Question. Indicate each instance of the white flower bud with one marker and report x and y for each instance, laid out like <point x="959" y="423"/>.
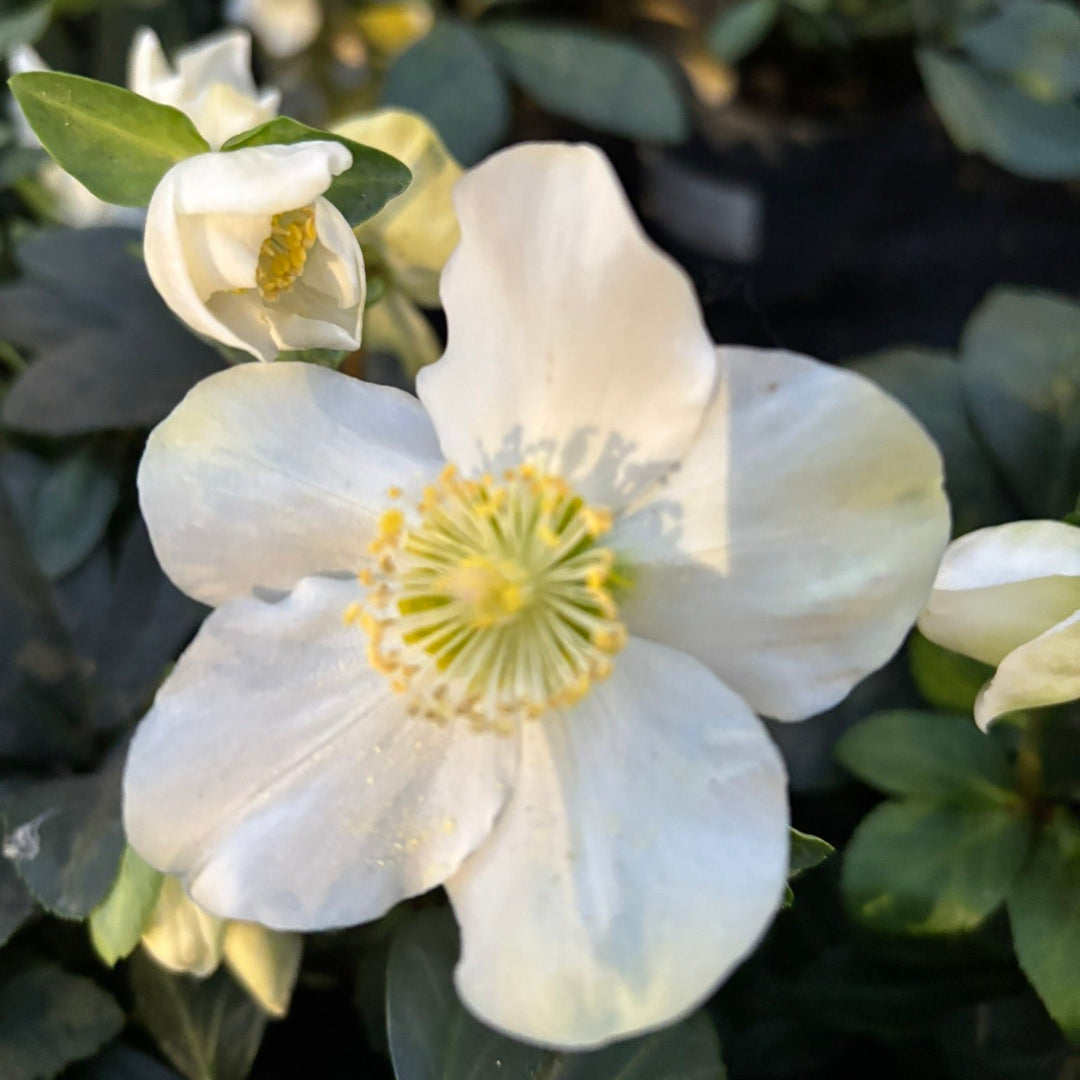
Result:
<point x="243" y="247"/>
<point x="211" y="82"/>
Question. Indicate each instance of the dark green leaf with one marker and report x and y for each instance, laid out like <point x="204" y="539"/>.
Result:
<point x="929" y="756"/>
<point x="449" y="78"/>
<point x="147" y="624"/>
<point x="740" y="28"/>
<point x="1035" y="42"/>
<point x="1009" y="1038"/>
<point x="849" y="993"/>
<point x="120" y="1062"/>
<point x="806" y="852"/>
<point x="946" y="679"/>
<point x="605" y="82"/>
<point x="1021" y="357"/>
<point x="986" y="114"/>
<point x="116" y="143"/>
<point x="16" y="904"/>
<point x="108" y="353"/>
<point x="930" y="383"/>
<point x="40" y="688"/>
<point x="920" y="868"/>
<point x="24" y="26"/>
<point x="373" y="179"/>
<point x="116" y="924"/>
<point x="210" y="1029"/>
<point x="65" y="839"/>
<point x="49" y="1019"/>
<point x="432" y="1037"/>
<point x="1044" y="910"/>
<point x="69" y="510"/>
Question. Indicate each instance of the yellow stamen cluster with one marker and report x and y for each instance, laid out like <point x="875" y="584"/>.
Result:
<point x="284" y="252"/>
<point x="491" y="600"/>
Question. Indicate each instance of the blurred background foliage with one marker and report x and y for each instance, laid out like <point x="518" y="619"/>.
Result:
<point x="889" y="184"/>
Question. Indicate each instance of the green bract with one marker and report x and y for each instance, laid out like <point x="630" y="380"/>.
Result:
<point x="362" y="190"/>
<point x="116" y="143"/>
<point x="1045" y="916"/>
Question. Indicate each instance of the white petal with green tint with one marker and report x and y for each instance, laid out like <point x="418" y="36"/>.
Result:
<point x="267" y="473"/>
<point x="1044" y="671"/>
<point x="641" y="856"/>
<point x="281" y="777"/>
<point x="796" y="543"/>
<point x="573" y="341"/>
<point x="1002" y="586"/>
<point x="180" y="935"/>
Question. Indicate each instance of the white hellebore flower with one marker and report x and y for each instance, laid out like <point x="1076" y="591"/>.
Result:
<point x="211" y="83"/>
<point x="69" y="202"/>
<point x="182" y="937"/>
<point x="244" y="248"/>
<point x="586" y="556"/>
<point x="1009" y="596"/>
<point x="283" y="27"/>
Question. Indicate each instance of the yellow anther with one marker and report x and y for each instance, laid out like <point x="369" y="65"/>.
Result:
<point x="352" y="613"/>
<point x="391" y="524"/>
<point x="490" y="603"/>
<point x="610" y="640"/>
<point x="598" y="520"/>
<point x="284" y="252"/>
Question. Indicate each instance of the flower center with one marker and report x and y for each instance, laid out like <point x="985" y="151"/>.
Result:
<point x="491" y="600"/>
<point x="284" y="252"/>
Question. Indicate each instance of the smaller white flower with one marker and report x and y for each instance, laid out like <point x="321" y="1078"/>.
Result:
<point x="184" y="937"/>
<point x="68" y="201"/>
<point x="211" y="82"/>
<point x="243" y="247"/>
<point x="1009" y="596"/>
<point x="283" y="27"/>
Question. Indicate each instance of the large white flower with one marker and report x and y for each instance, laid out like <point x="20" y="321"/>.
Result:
<point x="211" y="82"/>
<point x="1009" y="596"/>
<point x="244" y="248"/>
<point x="283" y="27"/>
<point x="588" y="554"/>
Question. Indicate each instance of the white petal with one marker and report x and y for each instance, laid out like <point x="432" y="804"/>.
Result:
<point x="256" y="179"/>
<point x="221" y="251"/>
<point x="1002" y="586"/>
<point x="335" y="265"/>
<point x="795" y="545"/>
<point x="573" y="340"/>
<point x="181" y="936"/>
<point x="265" y="962"/>
<point x="224" y="57"/>
<point x="148" y="68"/>
<point x="283" y="779"/>
<point x="222" y="111"/>
<point x="1045" y="671"/>
<point x="169" y="242"/>
<point x="641" y="856"/>
<point x="266" y="473"/>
